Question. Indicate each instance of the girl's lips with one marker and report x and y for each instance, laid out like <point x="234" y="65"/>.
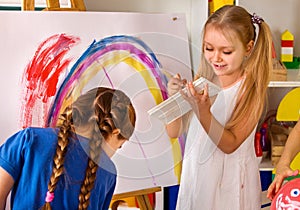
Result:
<point x="218" y="66"/>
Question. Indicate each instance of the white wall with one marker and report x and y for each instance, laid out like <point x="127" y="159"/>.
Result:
<point x="280" y="15"/>
<point x="196" y="12"/>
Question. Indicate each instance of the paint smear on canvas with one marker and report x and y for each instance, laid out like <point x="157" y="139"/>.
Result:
<point x="50" y="86"/>
<point x="41" y="77"/>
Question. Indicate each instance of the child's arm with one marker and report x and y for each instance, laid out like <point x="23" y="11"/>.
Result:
<point x="283" y="170"/>
<point x="227" y="139"/>
<point x="6" y="183"/>
<point x="178" y="126"/>
<point x="175" y="128"/>
<point x="292" y="146"/>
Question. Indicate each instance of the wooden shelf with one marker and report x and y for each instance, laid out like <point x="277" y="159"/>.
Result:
<point x="284" y="84"/>
<point x="293" y="80"/>
<point x="266" y="165"/>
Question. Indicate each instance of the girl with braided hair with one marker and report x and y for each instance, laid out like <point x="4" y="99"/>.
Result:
<point x="220" y="169"/>
<point x="68" y="167"/>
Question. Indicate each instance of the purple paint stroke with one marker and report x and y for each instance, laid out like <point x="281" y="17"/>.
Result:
<point x="181" y="140"/>
<point x="147" y="160"/>
<point x="109" y="79"/>
<point x="137" y="54"/>
<point x="96" y="56"/>
<point x="133" y="51"/>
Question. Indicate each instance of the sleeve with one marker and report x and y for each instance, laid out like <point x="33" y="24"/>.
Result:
<point x="12" y="151"/>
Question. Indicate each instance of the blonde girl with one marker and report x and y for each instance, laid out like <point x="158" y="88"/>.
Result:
<point x="220" y="170"/>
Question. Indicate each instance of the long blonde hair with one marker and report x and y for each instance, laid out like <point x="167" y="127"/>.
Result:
<point x="235" y="21"/>
<point x="108" y="109"/>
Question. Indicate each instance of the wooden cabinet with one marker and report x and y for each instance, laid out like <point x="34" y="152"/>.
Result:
<point x="277" y="90"/>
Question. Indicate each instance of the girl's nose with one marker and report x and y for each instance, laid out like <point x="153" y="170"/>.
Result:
<point x="217" y="56"/>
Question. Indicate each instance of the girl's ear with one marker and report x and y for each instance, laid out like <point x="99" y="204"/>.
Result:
<point x="116" y="131"/>
<point x="249" y="47"/>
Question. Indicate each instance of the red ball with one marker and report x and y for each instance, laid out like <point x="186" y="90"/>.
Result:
<point x="288" y="197"/>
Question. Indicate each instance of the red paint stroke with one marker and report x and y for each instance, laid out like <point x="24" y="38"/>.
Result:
<point x="42" y="74"/>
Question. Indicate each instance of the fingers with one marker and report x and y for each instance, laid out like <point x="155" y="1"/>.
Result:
<point x="191" y="89"/>
<point x="270" y="192"/>
<point x="195" y="91"/>
<point x="273" y="189"/>
<point x="275" y="186"/>
<point x="175" y="84"/>
<point x="295" y="173"/>
<point x="205" y="91"/>
<point x="196" y="94"/>
<point x="278" y="181"/>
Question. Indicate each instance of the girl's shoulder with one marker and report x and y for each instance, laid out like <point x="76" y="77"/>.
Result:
<point x="35" y="135"/>
<point x="30" y="133"/>
<point x="26" y="143"/>
<point x="41" y="130"/>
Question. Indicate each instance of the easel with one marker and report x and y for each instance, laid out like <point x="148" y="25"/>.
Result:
<point x="54" y="5"/>
<point x="141" y="197"/>
<point x="78" y="5"/>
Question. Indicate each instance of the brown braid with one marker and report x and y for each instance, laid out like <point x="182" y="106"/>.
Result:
<point x="61" y="150"/>
<point x="87" y="186"/>
<point x="111" y="109"/>
<point x="90" y="175"/>
<point x="105" y="109"/>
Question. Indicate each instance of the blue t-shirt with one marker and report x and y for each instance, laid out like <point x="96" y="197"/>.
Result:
<point x="28" y="157"/>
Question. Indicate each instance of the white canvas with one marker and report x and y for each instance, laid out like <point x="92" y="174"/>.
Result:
<point x="149" y="159"/>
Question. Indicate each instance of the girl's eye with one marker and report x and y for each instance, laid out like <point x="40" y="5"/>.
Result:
<point x="227" y="53"/>
<point x="295" y="192"/>
<point x="208" y="49"/>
